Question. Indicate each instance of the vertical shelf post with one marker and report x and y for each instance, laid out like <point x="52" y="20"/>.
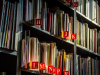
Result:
<point x="75" y="50"/>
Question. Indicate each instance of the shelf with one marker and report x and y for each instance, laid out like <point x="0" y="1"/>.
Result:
<point x="43" y="35"/>
<point x="85" y="19"/>
<point x="31" y="72"/>
<point x="70" y="10"/>
<point x="8" y="51"/>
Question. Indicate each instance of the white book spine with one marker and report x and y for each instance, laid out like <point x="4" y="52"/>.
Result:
<point x="88" y="9"/>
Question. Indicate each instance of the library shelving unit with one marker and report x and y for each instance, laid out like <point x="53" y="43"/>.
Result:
<point x="43" y="35"/>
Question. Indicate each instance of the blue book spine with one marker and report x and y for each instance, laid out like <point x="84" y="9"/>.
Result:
<point x="93" y="67"/>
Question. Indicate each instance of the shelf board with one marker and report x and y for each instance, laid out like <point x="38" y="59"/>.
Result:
<point x="28" y="71"/>
<point x="70" y="10"/>
<point x="43" y="35"/>
<point x="81" y="17"/>
<point x="8" y="51"/>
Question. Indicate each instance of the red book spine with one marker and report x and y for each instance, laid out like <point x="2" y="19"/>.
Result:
<point x="10" y="26"/>
<point x="49" y="21"/>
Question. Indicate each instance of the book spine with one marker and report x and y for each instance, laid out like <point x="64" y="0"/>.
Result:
<point x="5" y="25"/>
<point x="10" y="26"/>
<point x="5" y="42"/>
<point x="25" y="10"/>
<point x="2" y="21"/>
<point x="13" y="27"/>
<point x="17" y="28"/>
<point x="49" y="21"/>
<point x="52" y="23"/>
<point x="22" y="53"/>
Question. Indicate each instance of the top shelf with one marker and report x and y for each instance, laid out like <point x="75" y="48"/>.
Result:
<point x="81" y="17"/>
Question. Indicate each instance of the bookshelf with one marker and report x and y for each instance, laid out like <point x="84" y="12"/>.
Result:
<point x="43" y="35"/>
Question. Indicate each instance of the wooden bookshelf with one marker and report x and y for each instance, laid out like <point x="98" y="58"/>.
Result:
<point x="43" y="35"/>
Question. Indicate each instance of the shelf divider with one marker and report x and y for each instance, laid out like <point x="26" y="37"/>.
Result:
<point x="75" y="47"/>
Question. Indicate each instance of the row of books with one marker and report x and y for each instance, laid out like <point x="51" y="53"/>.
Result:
<point x="90" y="8"/>
<point x="87" y="37"/>
<point x="9" y="26"/>
<point x="45" y="52"/>
<point x="87" y="66"/>
<point x="56" y="21"/>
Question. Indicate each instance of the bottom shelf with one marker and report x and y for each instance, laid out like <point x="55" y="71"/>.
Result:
<point x="31" y="72"/>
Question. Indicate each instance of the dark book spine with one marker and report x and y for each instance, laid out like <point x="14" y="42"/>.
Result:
<point x="25" y="10"/>
<point x="52" y="24"/>
<point x="79" y="65"/>
<point x="49" y="21"/>
<point x="62" y="57"/>
<point x="2" y="21"/>
<point x="46" y="19"/>
<point x="13" y="27"/>
<point x="43" y="18"/>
